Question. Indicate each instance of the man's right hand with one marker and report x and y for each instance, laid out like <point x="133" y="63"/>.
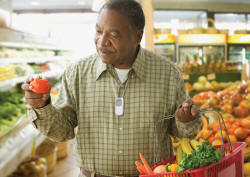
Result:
<point x="33" y="99"/>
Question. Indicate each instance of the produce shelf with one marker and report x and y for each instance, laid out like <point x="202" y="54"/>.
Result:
<point x="31" y="60"/>
<point x="8" y="84"/>
<point x="16" y="146"/>
<point x="16" y="39"/>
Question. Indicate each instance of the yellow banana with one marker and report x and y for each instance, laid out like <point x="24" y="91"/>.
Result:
<point x="194" y="143"/>
<point x="185" y="145"/>
<point x="179" y="154"/>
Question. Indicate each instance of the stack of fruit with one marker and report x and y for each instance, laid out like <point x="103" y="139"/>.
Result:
<point x="203" y="84"/>
<point x="32" y="167"/>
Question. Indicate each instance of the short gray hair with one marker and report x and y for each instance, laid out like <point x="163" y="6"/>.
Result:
<point x="131" y="9"/>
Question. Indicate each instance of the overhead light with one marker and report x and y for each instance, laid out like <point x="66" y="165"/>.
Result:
<point x="97" y="4"/>
<point x="35" y="3"/>
<point x="81" y="2"/>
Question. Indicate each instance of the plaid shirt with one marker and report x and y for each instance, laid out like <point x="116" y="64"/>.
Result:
<point x="109" y="144"/>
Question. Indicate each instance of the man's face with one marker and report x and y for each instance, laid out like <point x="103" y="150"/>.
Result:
<point x="115" y="39"/>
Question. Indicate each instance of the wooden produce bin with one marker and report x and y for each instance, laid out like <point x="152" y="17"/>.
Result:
<point x="48" y="150"/>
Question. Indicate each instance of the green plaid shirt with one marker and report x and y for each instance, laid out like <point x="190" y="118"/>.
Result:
<point x="109" y="144"/>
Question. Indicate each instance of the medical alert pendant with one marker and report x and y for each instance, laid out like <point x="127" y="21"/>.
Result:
<point x="119" y="106"/>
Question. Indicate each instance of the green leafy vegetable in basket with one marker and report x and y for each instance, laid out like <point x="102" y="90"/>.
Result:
<point x="205" y="155"/>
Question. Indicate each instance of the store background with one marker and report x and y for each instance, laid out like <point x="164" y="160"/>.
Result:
<point x="41" y="37"/>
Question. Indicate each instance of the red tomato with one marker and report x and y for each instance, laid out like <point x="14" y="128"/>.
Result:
<point x="40" y="85"/>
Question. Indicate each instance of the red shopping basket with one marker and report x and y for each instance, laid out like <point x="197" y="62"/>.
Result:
<point x="231" y="165"/>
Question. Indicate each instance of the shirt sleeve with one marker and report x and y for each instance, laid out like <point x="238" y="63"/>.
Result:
<point x="181" y="129"/>
<point x="58" y="120"/>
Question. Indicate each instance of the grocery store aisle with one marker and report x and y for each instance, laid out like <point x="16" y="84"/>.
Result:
<point x="66" y="167"/>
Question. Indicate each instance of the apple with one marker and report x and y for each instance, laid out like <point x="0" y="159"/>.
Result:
<point x="241" y="112"/>
<point x="245" y="103"/>
<point x="213" y="101"/>
<point x="242" y="88"/>
<point x="237" y="98"/>
<point x="226" y="101"/>
<point x="247" y="91"/>
<point x="227" y="108"/>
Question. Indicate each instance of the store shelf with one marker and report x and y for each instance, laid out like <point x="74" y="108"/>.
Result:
<point x="32" y="60"/>
<point x="15" y="147"/>
<point x="16" y="39"/>
<point x="8" y="84"/>
<point x="219" y="77"/>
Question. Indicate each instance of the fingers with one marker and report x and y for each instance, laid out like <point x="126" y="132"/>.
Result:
<point x="188" y="111"/>
<point x="33" y="99"/>
<point x="195" y="111"/>
<point x="186" y="106"/>
<point x="26" y="87"/>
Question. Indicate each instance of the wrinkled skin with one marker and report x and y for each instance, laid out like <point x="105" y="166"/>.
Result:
<point x="188" y="111"/>
<point x="116" y="40"/>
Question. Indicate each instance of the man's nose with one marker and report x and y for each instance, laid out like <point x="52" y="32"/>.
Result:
<point x="104" y="41"/>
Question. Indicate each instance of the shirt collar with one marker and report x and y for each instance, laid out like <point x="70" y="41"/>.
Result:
<point x="101" y="67"/>
<point x="138" y="66"/>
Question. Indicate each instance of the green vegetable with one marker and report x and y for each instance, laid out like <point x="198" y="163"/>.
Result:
<point x="205" y="155"/>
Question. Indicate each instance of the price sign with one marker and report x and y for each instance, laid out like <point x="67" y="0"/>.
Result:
<point x="211" y="76"/>
<point x="185" y="76"/>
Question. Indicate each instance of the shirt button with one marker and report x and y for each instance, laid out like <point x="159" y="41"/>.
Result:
<point x="120" y="128"/>
<point x="120" y="152"/>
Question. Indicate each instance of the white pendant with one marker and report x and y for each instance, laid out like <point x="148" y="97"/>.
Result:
<point x="119" y="106"/>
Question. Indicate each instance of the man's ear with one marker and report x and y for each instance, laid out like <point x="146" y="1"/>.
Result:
<point x="139" y="35"/>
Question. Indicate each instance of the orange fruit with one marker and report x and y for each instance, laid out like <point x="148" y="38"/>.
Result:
<point x="232" y="138"/>
<point x="247" y="140"/>
<point x="218" y="135"/>
<point x="241" y="133"/>
<point x="211" y="139"/>
<point x="245" y="123"/>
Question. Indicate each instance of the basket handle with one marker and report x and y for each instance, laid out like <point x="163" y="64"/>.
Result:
<point x="219" y="117"/>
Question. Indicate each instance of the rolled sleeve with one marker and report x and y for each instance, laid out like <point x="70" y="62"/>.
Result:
<point x="42" y="118"/>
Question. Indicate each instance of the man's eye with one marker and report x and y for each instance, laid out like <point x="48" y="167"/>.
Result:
<point x="115" y="35"/>
<point x="98" y="31"/>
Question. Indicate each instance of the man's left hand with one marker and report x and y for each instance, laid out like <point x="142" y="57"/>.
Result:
<point x="187" y="112"/>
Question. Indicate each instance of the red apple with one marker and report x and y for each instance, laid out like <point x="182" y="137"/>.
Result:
<point x="241" y="112"/>
<point x="242" y="88"/>
<point x="237" y="98"/>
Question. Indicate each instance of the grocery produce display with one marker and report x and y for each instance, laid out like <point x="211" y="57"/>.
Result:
<point x="31" y="167"/>
<point x="203" y="84"/>
<point x="12" y="108"/>
<point x="205" y="64"/>
<point x="7" y="52"/>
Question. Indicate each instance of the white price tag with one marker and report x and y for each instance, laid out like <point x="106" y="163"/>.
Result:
<point x="10" y="144"/>
<point x="185" y="76"/>
<point x="22" y="134"/>
<point x="211" y="76"/>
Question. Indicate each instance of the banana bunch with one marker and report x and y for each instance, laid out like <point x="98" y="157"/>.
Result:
<point x="186" y="145"/>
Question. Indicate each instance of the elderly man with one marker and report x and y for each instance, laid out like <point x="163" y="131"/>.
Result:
<point x="115" y="98"/>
